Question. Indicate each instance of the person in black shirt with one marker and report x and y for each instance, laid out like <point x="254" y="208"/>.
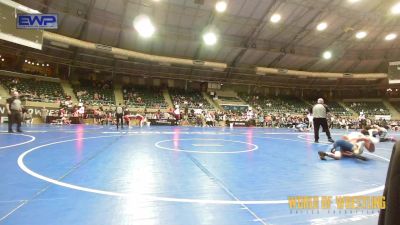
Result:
<point x="14" y="111"/>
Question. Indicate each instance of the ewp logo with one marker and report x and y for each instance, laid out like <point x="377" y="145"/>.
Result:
<point x="37" y="21"/>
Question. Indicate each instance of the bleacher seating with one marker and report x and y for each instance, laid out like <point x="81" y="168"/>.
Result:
<point x="34" y="90"/>
<point x="396" y="105"/>
<point x="369" y="108"/>
<point x="191" y="99"/>
<point x="144" y="97"/>
<point x="95" y="93"/>
<point x="229" y="99"/>
<point x="275" y="104"/>
<point x="235" y="108"/>
<point x="338" y="109"/>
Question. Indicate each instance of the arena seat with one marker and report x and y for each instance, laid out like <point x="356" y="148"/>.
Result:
<point x="229" y="99"/>
<point x="191" y="99"/>
<point x="276" y="104"/>
<point x="95" y="93"/>
<point x="34" y="90"/>
<point x="338" y="109"/>
<point x="369" y="108"/>
<point x="144" y="97"/>
<point x="396" y="105"/>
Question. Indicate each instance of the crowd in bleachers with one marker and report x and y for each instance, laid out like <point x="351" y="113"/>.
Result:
<point x="277" y="120"/>
<point x="144" y="97"/>
<point x="95" y="92"/>
<point x="281" y="104"/>
<point x="189" y="99"/>
<point x="369" y="108"/>
<point x="229" y="99"/>
<point x="338" y="109"/>
<point x="34" y="90"/>
<point x="268" y="111"/>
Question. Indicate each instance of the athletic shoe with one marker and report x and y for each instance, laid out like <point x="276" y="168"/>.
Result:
<point x="10" y="131"/>
<point x="331" y="140"/>
<point x="19" y="131"/>
<point x="322" y="155"/>
<point x="361" y="157"/>
<point x="316" y="141"/>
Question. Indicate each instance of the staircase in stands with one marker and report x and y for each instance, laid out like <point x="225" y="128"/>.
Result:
<point x="68" y="90"/>
<point x="168" y="99"/>
<point x="393" y="112"/>
<point x="3" y="94"/>
<point x="119" y="96"/>
<point x="211" y="102"/>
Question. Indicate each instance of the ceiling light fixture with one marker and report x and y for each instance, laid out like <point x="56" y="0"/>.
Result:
<point x="221" y="6"/>
<point x="144" y="26"/>
<point x="395" y="9"/>
<point x="327" y="55"/>
<point x="390" y="36"/>
<point x="210" y="38"/>
<point x="361" y="34"/>
<point x="322" y="26"/>
<point x="275" y="18"/>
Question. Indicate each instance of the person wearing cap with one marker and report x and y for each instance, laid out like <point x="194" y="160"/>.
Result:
<point x="319" y="112"/>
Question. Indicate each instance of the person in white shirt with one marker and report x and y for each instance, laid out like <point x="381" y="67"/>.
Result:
<point x="28" y="118"/>
<point x="310" y="120"/>
<point x="249" y="115"/>
<point x="319" y="112"/>
<point x="119" y="113"/>
<point x="209" y="120"/>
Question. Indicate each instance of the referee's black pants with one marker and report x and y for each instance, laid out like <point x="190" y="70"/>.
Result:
<point x="14" y="117"/>
<point x="119" y="118"/>
<point x="321" y="122"/>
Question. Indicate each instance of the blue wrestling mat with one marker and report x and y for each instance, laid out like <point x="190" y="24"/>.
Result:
<point x="84" y="175"/>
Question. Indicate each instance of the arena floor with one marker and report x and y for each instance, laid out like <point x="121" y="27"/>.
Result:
<point x="83" y="175"/>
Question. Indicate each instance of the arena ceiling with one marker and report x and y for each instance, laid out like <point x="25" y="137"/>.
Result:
<point x="247" y="38"/>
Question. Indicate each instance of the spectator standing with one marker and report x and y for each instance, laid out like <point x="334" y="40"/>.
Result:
<point x="44" y="113"/>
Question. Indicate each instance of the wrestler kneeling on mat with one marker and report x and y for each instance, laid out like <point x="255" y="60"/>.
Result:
<point x="351" y="145"/>
<point x="301" y="127"/>
<point x="381" y="133"/>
